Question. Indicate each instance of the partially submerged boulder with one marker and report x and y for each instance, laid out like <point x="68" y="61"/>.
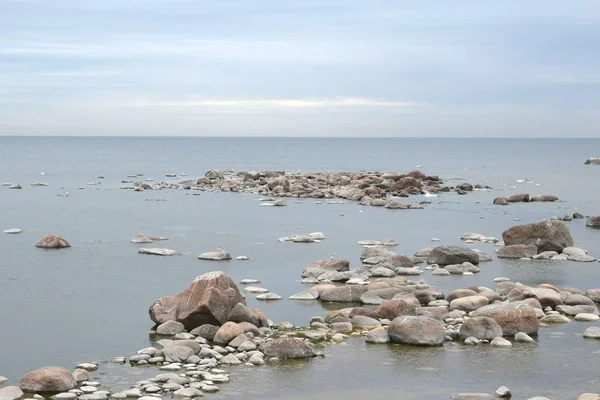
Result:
<point x="209" y="299"/>
<point x="52" y="242"/>
<point x="546" y="235"/>
<point x="512" y="317"/>
<point x="288" y="348"/>
<point x="219" y="255"/>
<point x="517" y="251"/>
<point x="420" y="331"/>
<point x="445" y="255"/>
<point x="320" y="267"/>
<point x="48" y="381"/>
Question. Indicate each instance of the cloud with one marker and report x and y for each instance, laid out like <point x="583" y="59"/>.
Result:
<point x="278" y="103"/>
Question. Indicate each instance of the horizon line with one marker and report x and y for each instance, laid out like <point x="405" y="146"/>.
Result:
<point x="298" y="137"/>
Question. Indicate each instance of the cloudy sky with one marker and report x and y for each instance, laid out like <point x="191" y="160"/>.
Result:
<point x="300" y="68"/>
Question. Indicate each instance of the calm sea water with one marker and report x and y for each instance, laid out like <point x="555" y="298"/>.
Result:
<point x="91" y="302"/>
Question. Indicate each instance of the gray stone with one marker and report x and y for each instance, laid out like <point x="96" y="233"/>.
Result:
<point x="522" y="337"/>
<point x="155" y="251"/>
<point x="500" y="342"/>
<point x="445" y="255"/>
<point x="482" y="328"/>
<point x="10" y="393"/>
<point x="423" y="331"/>
<point x="593" y="332"/>
<point x="471" y="396"/>
<point x="219" y="255"/>
<point x="170" y="328"/>
<point x="377" y="335"/>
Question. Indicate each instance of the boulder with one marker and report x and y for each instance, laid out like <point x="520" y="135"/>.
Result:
<point x="227" y="332"/>
<point x="209" y="299"/>
<point x="546" y="235"/>
<point x="593" y="222"/>
<point x="592" y="161"/>
<point x="364" y="322"/>
<point x="391" y="309"/>
<point x="170" y="328"/>
<point x="500" y="201"/>
<point x="547" y="297"/>
<point x="421" y="331"/>
<point x="469" y="303"/>
<point x="156" y="251"/>
<point x="376" y="251"/>
<point x="377" y="335"/>
<point x="52" y="242"/>
<point x="519" y="198"/>
<point x="445" y="255"/>
<point x="517" y="251"/>
<point x="177" y="353"/>
<point x="48" y="381"/>
<point x="400" y="261"/>
<point x="139" y="238"/>
<point x="378" y="296"/>
<point x="461" y="268"/>
<point x="219" y="255"/>
<point x="512" y="317"/>
<point x="288" y="348"/>
<point x="320" y="267"/>
<point x="344" y="294"/>
<point x="405" y="183"/>
<point x="242" y="313"/>
<point x="483" y="328"/>
<point x="458" y="293"/>
<point x="10" y="393"/>
<point x="592" y="332"/>
<point x="206" y="331"/>
<point x="472" y="396"/>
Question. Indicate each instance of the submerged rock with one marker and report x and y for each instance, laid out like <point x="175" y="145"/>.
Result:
<point x="13" y="231"/>
<point x="593" y="222"/>
<point x="517" y="251"/>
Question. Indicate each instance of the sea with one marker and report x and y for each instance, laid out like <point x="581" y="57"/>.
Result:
<point x="90" y="302"/>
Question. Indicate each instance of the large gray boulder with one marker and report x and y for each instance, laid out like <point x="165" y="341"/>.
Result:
<point x="344" y="294"/>
<point x="219" y="255"/>
<point x="421" y="331"/>
<point x="445" y="255"/>
<point x="48" y="381"/>
<point x="209" y="299"/>
<point x="512" y="317"/>
<point x="376" y="251"/>
<point x="483" y="328"/>
<point x="320" y="267"/>
<point x="546" y="235"/>
<point x="288" y="348"/>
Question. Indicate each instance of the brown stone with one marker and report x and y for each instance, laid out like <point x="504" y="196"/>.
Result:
<point x="228" y="332"/>
<point x="53" y="242"/>
<point x="546" y="235"/>
<point x="209" y="299"/>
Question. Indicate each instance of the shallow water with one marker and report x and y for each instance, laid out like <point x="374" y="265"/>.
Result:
<point x="90" y="302"/>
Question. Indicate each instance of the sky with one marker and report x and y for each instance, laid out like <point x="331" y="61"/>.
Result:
<point x="430" y="68"/>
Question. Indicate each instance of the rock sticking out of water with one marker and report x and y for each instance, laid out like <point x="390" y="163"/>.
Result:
<point x="155" y="251"/>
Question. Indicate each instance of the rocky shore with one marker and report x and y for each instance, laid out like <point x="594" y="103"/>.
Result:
<point x="370" y="189"/>
<point x="207" y="329"/>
